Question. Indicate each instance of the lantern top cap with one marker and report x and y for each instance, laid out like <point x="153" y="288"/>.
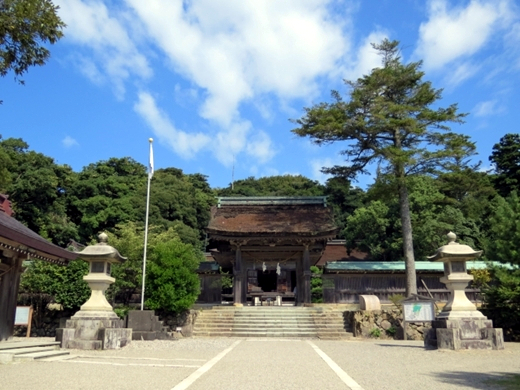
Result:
<point x="454" y="250"/>
<point x="101" y="251"/>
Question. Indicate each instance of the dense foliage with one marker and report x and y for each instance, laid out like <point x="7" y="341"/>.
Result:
<point x="172" y="283"/>
<point x="25" y="27"/>
<point x="64" y="284"/>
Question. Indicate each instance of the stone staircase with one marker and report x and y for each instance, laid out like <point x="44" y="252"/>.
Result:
<point x="271" y="321"/>
<point x="23" y="351"/>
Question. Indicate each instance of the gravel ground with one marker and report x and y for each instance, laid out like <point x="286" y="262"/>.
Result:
<point x="267" y="364"/>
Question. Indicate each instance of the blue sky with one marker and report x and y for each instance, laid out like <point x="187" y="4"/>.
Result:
<point x="216" y="82"/>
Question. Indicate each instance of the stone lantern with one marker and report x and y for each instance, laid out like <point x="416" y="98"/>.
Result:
<point x="456" y="278"/>
<point x="460" y="325"/>
<point x="100" y="258"/>
<point x="96" y="325"/>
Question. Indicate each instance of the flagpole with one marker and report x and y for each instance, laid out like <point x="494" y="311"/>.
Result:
<point x="150" y="174"/>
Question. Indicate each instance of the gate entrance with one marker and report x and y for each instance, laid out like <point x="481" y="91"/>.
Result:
<point x="267" y="280"/>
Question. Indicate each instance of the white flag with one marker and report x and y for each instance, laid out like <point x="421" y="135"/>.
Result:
<point x="150" y="167"/>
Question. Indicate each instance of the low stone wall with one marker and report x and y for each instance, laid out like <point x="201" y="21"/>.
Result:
<point x="383" y="324"/>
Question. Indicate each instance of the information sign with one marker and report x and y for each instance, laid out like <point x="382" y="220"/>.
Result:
<point x="417" y="311"/>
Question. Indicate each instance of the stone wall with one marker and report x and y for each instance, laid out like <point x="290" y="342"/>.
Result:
<point x="383" y="324"/>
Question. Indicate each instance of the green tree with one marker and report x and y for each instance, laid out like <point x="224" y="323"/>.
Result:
<point x="283" y="185"/>
<point x="128" y="239"/>
<point x="182" y="202"/>
<point x="25" y="27"/>
<point x="501" y="295"/>
<point x="376" y="227"/>
<point x="343" y="199"/>
<point x="172" y="283"/>
<point x="388" y="121"/>
<point x="38" y="189"/>
<point x="64" y="284"/>
<point x="506" y="159"/>
<point x="107" y="193"/>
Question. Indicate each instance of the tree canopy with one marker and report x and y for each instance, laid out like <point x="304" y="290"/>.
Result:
<point x="506" y="158"/>
<point x="25" y="27"/>
<point x="389" y="121"/>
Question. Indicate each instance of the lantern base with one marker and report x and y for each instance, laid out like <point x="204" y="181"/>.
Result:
<point x="94" y="330"/>
<point x="464" y="333"/>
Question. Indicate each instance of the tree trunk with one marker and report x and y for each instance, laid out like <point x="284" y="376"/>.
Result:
<point x="406" y="222"/>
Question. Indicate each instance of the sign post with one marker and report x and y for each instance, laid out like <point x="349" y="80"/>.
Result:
<point x="417" y="309"/>
<point x="23" y="317"/>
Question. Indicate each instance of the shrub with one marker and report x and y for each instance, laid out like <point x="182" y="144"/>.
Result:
<point x="172" y="283"/>
<point x="376" y="332"/>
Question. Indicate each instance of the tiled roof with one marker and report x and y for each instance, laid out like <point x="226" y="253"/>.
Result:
<point x="272" y="218"/>
<point x="397" y="266"/>
<point x="18" y="234"/>
<point x="336" y="250"/>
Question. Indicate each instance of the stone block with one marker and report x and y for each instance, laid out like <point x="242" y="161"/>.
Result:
<point x="64" y="335"/>
<point x="495" y="336"/>
<point x="115" y="338"/>
<point x="369" y="303"/>
<point x="85" y="344"/>
<point x="141" y="335"/>
<point x="141" y="320"/>
<point x="448" y="339"/>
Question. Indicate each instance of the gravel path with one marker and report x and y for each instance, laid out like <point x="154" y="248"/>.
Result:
<point x="267" y="364"/>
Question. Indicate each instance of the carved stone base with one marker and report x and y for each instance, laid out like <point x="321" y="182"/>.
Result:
<point x="464" y="333"/>
<point x="94" y="330"/>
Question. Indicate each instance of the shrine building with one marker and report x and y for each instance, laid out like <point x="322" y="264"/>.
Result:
<point x="270" y="243"/>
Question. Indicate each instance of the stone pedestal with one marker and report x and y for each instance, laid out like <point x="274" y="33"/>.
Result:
<point x="94" y="330"/>
<point x="464" y="333"/>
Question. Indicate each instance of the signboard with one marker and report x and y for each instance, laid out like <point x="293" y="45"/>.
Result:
<point x="417" y="311"/>
<point x="23" y="316"/>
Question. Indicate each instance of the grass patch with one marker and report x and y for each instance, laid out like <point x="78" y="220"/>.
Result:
<point x="507" y="381"/>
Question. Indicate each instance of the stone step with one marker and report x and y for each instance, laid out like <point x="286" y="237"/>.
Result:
<point x="269" y="321"/>
<point x="21" y="351"/>
<point x="26" y="344"/>
<point x="39" y="355"/>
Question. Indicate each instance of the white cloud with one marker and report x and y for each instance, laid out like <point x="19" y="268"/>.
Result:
<point x="69" y="142"/>
<point x="460" y="73"/>
<point x="488" y="108"/>
<point x="318" y="164"/>
<point x="260" y="147"/>
<point x="184" y="144"/>
<point x="367" y="58"/>
<point x="236" y="51"/>
<point x="90" y="24"/>
<point x="459" y="32"/>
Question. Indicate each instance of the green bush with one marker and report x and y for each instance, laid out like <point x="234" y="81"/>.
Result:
<point x="502" y="300"/>
<point x="64" y="284"/>
<point x="171" y="280"/>
<point x="316" y="285"/>
<point x="376" y="332"/>
<point x="391" y="331"/>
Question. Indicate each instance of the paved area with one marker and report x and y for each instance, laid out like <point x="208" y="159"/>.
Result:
<point x="210" y="363"/>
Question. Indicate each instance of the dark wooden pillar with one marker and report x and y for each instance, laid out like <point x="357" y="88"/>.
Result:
<point x="238" y="278"/>
<point x="306" y="266"/>
<point x="299" y="283"/>
<point x="9" y="284"/>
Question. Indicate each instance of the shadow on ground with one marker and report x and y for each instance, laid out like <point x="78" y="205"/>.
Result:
<point x="403" y="346"/>
<point x="478" y="380"/>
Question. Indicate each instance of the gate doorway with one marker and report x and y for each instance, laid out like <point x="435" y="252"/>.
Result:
<point x="267" y="280"/>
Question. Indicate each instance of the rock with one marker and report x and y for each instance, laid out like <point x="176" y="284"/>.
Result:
<point x="386" y="325"/>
